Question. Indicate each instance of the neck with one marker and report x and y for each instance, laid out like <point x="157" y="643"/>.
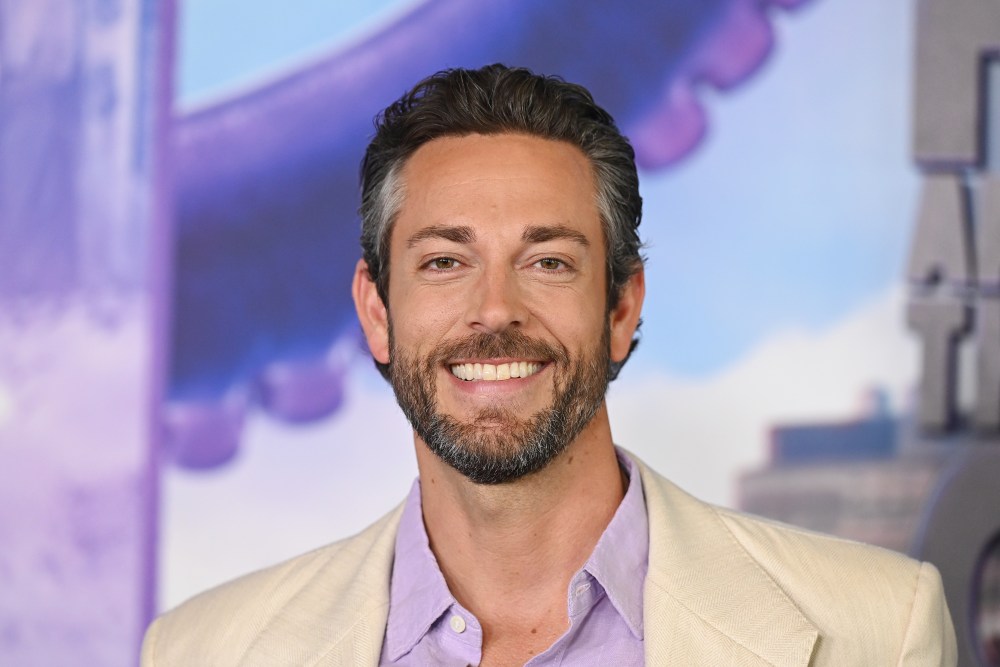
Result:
<point x="508" y="551"/>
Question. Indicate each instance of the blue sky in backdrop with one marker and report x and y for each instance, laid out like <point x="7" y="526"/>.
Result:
<point x="793" y="212"/>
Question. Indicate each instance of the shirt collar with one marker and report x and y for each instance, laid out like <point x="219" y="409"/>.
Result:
<point x="621" y="558"/>
<point x="418" y="593"/>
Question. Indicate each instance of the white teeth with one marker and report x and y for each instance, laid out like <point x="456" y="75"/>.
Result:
<point x="495" y="372"/>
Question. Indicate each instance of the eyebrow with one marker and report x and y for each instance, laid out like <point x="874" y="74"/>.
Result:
<point x="541" y="234"/>
<point x="465" y="234"/>
<point x="455" y="234"/>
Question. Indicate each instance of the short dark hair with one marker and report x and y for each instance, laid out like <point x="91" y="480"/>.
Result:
<point x="497" y="99"/>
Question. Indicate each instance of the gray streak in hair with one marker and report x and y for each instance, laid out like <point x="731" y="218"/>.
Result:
<point x="500" y="100"/>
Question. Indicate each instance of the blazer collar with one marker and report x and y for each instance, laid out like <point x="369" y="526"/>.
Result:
<point x="706" y="600"/>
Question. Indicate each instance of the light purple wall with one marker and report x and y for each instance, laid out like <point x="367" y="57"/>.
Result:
<point x="81" y="93"/>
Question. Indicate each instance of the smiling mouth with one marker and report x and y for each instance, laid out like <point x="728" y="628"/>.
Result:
<point x="495" y="372"/>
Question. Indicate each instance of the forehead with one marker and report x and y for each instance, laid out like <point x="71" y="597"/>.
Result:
<point x="498" y="179"/>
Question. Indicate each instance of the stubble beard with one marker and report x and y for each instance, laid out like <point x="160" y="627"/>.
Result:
<point x="497" y="445"/>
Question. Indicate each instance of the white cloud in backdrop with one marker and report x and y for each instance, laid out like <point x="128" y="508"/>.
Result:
<point x="295" y="488"/>
<point x="702" y="432"/>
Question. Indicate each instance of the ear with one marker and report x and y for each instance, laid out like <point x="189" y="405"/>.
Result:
<point x="371" y="312"/>
<point x="624" y="319"/>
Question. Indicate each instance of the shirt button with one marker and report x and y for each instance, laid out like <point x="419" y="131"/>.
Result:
<point x="457" y="624"/>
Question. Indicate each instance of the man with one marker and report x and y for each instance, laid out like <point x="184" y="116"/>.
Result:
<point x="500" y="292"/>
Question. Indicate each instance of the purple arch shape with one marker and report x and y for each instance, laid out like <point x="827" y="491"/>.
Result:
<point x="266" y="182"/>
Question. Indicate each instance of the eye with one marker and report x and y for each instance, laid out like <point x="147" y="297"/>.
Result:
<point x="551" y="264"/>
<point x="442" y="264"/>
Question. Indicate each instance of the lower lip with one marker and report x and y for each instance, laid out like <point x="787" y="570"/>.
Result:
<point x="494" y="386"/>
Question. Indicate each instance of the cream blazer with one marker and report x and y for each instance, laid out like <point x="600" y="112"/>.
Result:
<point x="723" y="588"/>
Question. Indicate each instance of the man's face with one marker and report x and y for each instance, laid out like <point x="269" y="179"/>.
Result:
<point x="498" y="330"/>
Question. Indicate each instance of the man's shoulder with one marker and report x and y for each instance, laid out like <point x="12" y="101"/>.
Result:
<point x="254" y="593"/>
<point x="795" y="558"/>
<point x="769" y="540"/>
<point x="776" y="545"/>
<point x="846" y="588"/>
<point x="824" y="567"/>
<point x="755" y="566"/>
<point x="221" y="625"/>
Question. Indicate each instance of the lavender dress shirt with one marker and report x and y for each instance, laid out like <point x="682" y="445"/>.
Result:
<point x="427" y="626"/>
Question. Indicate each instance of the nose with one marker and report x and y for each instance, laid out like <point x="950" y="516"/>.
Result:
<point x="496" y="302"/>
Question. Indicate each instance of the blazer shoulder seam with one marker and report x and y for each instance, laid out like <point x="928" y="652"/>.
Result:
<point x="909" y="613"/>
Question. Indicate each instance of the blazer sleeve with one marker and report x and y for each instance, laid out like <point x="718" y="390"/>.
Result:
<point x="930" y="635"/>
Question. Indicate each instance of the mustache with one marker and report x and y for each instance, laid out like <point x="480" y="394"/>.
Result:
<point x="509" y="343"/>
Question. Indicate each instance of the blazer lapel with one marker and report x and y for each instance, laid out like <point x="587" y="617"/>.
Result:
<point x="706" y="600"/>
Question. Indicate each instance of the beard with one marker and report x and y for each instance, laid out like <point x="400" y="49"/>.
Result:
<point x="497" y="445"/>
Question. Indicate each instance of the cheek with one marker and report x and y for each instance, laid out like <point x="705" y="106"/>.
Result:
<point x="419" y="322"/>
<point x="576" y="322"/>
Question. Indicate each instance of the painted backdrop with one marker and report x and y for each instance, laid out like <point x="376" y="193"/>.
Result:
<point x="184" y="395"/>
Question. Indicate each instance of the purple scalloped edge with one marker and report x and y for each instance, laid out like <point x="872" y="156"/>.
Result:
<point x="203" y="435"/>
<point x="206" y="434"/>
<point x="737" y="48"/>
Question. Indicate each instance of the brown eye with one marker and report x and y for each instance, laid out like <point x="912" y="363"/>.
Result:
<point x="443" y="263"/>
<point x="550" y="264"/>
